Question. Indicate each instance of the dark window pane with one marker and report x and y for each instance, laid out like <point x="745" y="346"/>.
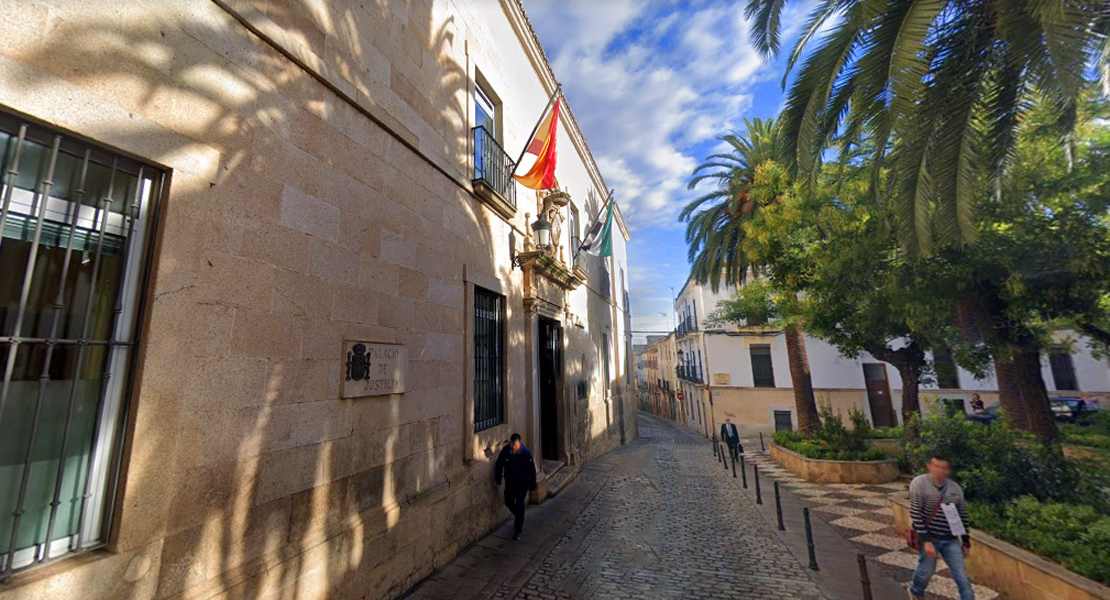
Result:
<point x="874" y="372"/>
<point x="948" y="376"/>
<point x="783" y="421"/>
<point x="1063" y="371"/>
<point x="763" y="371"/>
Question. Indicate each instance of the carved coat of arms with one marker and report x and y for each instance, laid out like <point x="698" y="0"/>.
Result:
<point x="358" y="363"/>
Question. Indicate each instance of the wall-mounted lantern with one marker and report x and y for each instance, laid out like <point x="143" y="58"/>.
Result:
<point x="541" y="230"/>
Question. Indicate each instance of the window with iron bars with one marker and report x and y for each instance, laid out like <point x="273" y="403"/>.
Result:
<point x="489" y="360"/>
<point x="75" y="227"/>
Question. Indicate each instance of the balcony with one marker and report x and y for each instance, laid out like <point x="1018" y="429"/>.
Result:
<point x="581" y="264"/>
<point x="689" y="373"/>
<point x="686" y="326"/>
<point x="493" y="173"/>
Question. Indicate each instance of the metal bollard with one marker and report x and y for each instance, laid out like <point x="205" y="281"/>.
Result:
<point x="864" y="580"/>
<point x="734" y="467"/>
<point x="761" y="448"/>
<point x="778" y="507"/>
<point x="758" y="492"/>
<point x="744" y="472"/>
<point x="809" y="541"/>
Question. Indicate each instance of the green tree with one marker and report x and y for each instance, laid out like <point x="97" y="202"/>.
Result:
<point x="716" y="233"/>
<point x="840" y="275"/>
<point x="936" y="90"/>
<point x="1042" y="262"/>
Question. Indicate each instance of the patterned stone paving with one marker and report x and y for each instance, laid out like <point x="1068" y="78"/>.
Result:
<point x="862" y="514"/>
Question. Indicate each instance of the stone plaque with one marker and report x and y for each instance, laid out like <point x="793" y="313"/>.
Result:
<point x="373" y="369"/>
<point x="722" y="379"/>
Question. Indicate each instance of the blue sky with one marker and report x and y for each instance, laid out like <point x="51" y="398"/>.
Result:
<point x="652" y="83"/>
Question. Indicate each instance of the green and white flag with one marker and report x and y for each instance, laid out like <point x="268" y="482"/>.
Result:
<point x="599" y="240"/>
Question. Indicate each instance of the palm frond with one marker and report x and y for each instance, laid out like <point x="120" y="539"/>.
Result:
<point x="765" y="16"/>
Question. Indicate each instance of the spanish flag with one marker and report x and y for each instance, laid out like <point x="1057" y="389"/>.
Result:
<point x="542" y="174"/>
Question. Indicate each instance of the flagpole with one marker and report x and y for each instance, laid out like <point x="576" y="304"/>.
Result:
<point x="592" y="223"/>
<point x="528" y="141"/>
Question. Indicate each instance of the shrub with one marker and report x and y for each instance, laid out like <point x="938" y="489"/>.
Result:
<point x="833" y="441"/>
<point x="1093" y="440"/>
<point x="1076" y="536"/>
<point x="993" y="467"/>
<point x="886" y="433"/>
<point x="1022" y="491"/>
<point x="1093" y="432"/>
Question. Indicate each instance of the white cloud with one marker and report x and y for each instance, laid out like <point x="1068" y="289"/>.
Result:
<point x="650" y="82"/>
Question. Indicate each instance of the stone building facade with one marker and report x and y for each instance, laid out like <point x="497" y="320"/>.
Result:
<point x="270" y="302"/>
<point x="659" y="377"/>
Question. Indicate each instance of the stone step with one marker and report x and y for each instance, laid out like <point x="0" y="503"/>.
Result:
<point x="559" y="479"/>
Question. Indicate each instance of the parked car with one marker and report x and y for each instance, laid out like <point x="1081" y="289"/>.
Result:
<point x="1069" y="409"/>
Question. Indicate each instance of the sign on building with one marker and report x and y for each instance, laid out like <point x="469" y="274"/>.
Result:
<point x="373" y="369"/>
<point x="722" y="379"/>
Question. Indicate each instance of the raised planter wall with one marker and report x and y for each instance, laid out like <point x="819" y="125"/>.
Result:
<point x="835" y="471"/>
<point x="890" y="446"/>
<point x="1015" y="573"/>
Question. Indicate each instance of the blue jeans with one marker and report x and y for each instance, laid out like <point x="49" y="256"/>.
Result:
<point x="953" y="554"/>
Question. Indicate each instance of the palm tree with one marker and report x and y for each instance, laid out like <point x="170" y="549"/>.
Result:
<point x="936" y="90"/>
<point x="715" y="236"/>
<point x="714" y="229"/>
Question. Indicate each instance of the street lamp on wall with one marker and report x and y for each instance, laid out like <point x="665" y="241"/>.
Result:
<point x="541" y="230"/>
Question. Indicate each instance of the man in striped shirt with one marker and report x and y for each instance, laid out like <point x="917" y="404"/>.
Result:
<point x="940" y="521"/>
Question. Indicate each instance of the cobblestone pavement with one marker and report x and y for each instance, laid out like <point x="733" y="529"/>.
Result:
<point x="649" y="520"/>
<point x="862" y="514"/>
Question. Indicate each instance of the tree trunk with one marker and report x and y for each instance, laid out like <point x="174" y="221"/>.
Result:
<point x="909" y="360"/>
<point x="1009" y="395"/>
<point x="911" y="387"/>
<point x="1034" y="394"/>
<point x="804" y="403"/>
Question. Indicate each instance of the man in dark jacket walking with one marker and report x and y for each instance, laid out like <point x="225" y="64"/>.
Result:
<point x="515" y="464"/>
<point x="731" y="436"/>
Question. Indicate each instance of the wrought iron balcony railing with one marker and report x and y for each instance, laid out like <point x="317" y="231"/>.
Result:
<point x="493" y="167"/>
<point x="686" y="326"/>
<point x="580" y="258"/>
<point x="689" y="373"/>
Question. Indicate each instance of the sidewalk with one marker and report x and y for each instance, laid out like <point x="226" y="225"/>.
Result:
<point x="838" y="567"/>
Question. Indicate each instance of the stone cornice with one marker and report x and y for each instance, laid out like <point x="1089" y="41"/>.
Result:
<point x="540" y="262"/>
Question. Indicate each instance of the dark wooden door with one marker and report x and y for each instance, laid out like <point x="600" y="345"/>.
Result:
<point x="878" y="395"/>
<point x="551" y="373"/>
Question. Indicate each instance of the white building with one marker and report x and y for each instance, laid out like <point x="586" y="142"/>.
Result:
<point x="742" y="372"/>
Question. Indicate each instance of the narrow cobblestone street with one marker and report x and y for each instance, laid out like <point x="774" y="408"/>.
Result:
<point x="649" y="520"/>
